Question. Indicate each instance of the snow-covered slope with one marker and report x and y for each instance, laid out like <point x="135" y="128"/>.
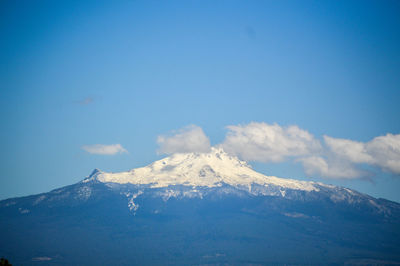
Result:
<point x="199" y="169"/>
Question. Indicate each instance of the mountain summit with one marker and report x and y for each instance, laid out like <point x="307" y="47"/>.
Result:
<point x="198" y="169"/>
<point x="199" y="208"/>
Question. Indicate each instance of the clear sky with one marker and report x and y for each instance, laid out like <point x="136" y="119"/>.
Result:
<point x="78" y="73"/>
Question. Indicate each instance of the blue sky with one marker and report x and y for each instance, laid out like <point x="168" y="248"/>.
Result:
<point x="75" y="73"/>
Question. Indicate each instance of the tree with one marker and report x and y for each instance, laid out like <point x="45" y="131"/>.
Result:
<point x="4" y="262"/>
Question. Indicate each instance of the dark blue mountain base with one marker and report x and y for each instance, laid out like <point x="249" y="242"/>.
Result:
<point x="71" y="226"/>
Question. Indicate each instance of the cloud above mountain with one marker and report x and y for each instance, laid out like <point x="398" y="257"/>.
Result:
<point x="331" y="167"/>
<point x="187" y="139"/>
<point x="343" y="158"/>
<point x="102" y="149"/>
<point x="382" y="151"/>
<point x="269" y="143"/>
<point x="330" y="157"/>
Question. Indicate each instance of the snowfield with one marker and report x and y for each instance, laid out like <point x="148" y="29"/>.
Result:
<point x="199" y="169"/>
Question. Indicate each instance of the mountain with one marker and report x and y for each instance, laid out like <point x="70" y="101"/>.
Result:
<point x="199" y="209"/>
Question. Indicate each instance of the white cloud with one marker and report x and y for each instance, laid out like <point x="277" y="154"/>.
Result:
<point x="386" y="152"/>
<point x="350" y="150"/>
<point x="382" y="151"/>
<point x="104" y="149"/>
<point x="187" y="139"/>
<point x="269" y="143"/>
<point x="342" y="157"/>
<point x="333" y="158"/>
<point x="331" y="168"/>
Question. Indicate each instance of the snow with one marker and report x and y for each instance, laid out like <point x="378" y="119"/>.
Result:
<point x="199" y="170"/>
<point x="170" y="193"/>
<point x="41" y="259"/>
<point x="84" y="192"/>
<point x="39" y="199"/>
<point x="23" y="211"/>
<point x="131" y="204"/>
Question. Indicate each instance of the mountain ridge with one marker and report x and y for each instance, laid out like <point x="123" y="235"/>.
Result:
<point x="199" y="215"/>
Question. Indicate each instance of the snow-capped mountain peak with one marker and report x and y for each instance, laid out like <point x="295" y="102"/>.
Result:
<point x="198" y="169"/>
